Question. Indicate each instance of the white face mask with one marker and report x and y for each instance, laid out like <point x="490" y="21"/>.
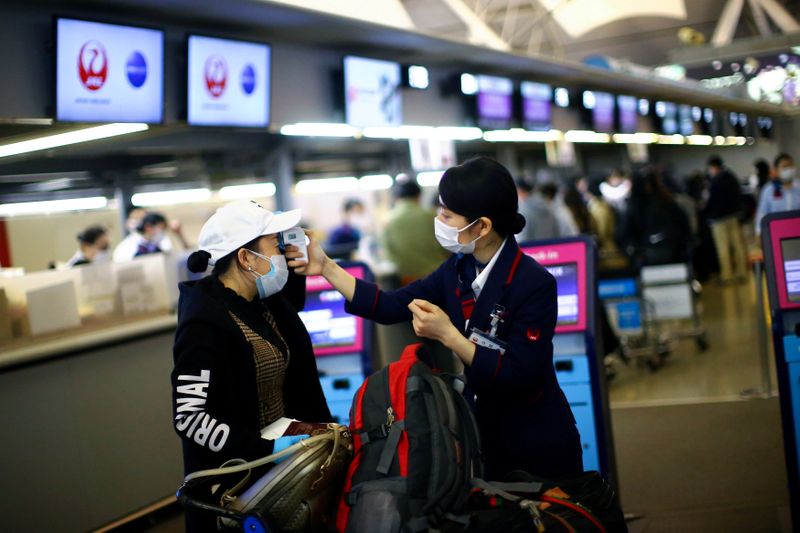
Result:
<point x="102" y="256"/>
<point x="273" y="281"/>
<point x="787" y="174"/>
<point x="448" y="237"/>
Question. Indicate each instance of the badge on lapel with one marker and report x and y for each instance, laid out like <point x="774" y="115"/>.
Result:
<point x="534" y="334"/>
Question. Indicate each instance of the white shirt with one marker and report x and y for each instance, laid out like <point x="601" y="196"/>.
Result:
<point x="127" y="248"/>
<point x="483" y="276"/>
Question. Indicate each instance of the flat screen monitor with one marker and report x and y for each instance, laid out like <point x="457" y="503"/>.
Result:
<point x="495" y="106"/>
<point x="603" y="112"/>
<point x="667" y="112"/>
<point x="567" y="289"/>
<point x="332" y="330"/>
<point x="566" y="261"/>
<point x="627" y="113"/>
<point x="228" y="83"/>
<point x="536" y="105"/>
<point x="108" y="72"/>
<point x="790" y="249"/>
<point x="765" y="126"/>
<point x="685" y="120"/>
<point x="372" y="92"/>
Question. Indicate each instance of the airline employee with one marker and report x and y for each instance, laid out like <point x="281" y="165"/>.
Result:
<point x="495" y="308"/>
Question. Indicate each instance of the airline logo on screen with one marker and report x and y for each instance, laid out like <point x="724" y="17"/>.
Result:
<point x="216" y="73"/>
<point x="248" y="79"/>
<point x="93" y="65"/>
<point x="136" y="68"/>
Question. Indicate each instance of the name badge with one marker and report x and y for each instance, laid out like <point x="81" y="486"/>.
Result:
<point x="487" y="341"/>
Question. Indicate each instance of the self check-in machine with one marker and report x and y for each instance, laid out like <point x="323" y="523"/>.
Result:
<point x="780" y="235"/>
<point x="580" y="372"/>
<point x="342" y="342"/>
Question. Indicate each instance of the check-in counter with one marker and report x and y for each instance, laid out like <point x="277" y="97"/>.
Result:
<point x="85" y="395"/>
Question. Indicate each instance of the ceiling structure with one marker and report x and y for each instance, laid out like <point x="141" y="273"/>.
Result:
<point x="545" y="38"/>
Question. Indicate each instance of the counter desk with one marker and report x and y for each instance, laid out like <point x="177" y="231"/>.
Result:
<point x="86" y="424"/>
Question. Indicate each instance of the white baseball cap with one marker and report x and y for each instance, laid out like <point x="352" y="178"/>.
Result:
<point x="237" y="223"/>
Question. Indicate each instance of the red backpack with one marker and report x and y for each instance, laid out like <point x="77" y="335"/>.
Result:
<point x="416" y="449"/>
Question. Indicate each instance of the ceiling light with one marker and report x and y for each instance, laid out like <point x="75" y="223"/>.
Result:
<point x="518" y="135"/>
<point x="325" y="185"/>
<point x="701" y="140"/>
<point x="375" y="182"/>
<point x="248" y="190"/>
<point x="53" y="206"/>
<point x="429" y="179"/>
<point x="635" y="138"/>
<point x="719" y="140"/>
<point x="71" y="137"/>
<point x="319" y="129"/>
<point x="671" y="139"/>
<point x="584" y="136"/>
<point x="418" y="77"/>
<point x="181" y="196"/>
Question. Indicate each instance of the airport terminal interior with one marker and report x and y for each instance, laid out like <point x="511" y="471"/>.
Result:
<point x="652" y="149"/>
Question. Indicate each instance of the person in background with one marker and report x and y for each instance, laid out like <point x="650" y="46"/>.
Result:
<point x="344" y="239"/>
<point x="580" y="214"/>
<point x="565" y="223"/>
<point x="723" y="210"/>
<point x="145" y="240"/>
<point x="605" y="224"/>
<point x="760" y="177"/>
<point x="408" y="239"/>
<point x="93" y="247"/>
<point x="134" y="219"/>
<point x="542" y="224"/>
<point x="656" y="227"/>
<point x="616" y="190"/>
<point x="782" y="193"/>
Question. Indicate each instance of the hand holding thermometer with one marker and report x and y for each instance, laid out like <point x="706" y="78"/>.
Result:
<point x="295" y="237"/>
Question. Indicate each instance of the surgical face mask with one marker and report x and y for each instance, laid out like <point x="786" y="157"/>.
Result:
<point x="787" y="174"/>
<point x="448" y="237"/>
<point x="157" y="237"/>
<point x="102" y="256"/>
<point x="273" y="281"/>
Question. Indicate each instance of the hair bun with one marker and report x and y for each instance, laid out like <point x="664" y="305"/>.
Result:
<point x="518" y="224"/>
<point x="198" y="261"/>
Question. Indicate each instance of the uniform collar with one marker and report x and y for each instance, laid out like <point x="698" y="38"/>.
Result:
<point x="500" y="275"/>
<point x="483" y="276"/>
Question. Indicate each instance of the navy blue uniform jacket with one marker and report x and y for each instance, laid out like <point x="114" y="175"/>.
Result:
<point x="523" y="416"/>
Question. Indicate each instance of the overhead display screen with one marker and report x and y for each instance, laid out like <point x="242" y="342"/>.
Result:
<point x="685" y="120"/>
<point x="228" y="82"/>
<point x="627" y="112"/>
<point x="372" y="92"/>
<point x="601" y="107"/>
<point x="536" y="105"/>
<point x="495" y="102"/>
<point x="332" y="329"/>
<point x="668" y="113"/>
<point x="108" y="72"/>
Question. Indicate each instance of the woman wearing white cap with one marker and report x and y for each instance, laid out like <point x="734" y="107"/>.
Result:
<point x="243" y="358"/>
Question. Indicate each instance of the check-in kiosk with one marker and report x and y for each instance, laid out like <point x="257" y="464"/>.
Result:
<point x="780" y="234"/>
<point x="578" y="368"/>
<point x="342" y="342"/>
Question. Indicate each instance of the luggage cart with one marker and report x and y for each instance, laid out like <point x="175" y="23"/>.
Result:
<point x="632" y="317"/>
<point x="675" y="297"/>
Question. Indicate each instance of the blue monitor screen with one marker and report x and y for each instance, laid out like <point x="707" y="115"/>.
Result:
<point x="567" y="290"/>
<point x="791" y="267"/>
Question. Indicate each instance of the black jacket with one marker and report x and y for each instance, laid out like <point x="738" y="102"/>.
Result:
<point x="215" y="398"/>
<point x="724" y="196"/>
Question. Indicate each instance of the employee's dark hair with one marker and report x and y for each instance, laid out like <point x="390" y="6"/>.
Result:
<point x="715" y="161"/>
<point x="351" y="204"/>
<point x="782" y="156"/>
<point x="523" y="185"/>
<point x="151" y="219"/>
<point x="482" y="187"/>
<point x="593" y="185"/>
<point x="406" y="189"/>
<point x="198" y="261"/>
<point x="91" y="234"/>
<point x="549" y="190"/>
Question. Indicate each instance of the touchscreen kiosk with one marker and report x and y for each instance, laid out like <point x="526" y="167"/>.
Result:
<point x="342" y="342"/>
<point x="579" y="372"/>
<point x="780" y="234"/>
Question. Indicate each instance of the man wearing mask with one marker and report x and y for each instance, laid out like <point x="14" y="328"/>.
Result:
<point x="723" y="209"/>
<point x="782" y="193"/>
<point x="92" y="247"/>
<point x="145" y="240"/>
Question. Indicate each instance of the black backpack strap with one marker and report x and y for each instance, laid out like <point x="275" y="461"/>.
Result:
<point x="396" y="485"/>
<point x="389" y="449"/>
